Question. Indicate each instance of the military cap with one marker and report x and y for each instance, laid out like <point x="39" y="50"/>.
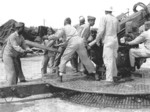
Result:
<point x="19" y="24"/>
<point x="91" y="18"/>
<point x="81" y="18"/>
<point x="109" y="9"/>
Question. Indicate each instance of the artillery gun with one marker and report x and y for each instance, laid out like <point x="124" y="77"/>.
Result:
<point x="129" y="25"/>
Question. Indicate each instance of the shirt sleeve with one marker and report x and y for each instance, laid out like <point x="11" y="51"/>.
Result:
<point x="139" y="39"/>
<point x="50" y="43"/>
<point x="118" y="27"/>
<point x="57" y="35"/>
<point x="101" y="29"/>
<point x="24" y="46"/>
<point x="85" y="33"/>
<point x="15" y="45"/>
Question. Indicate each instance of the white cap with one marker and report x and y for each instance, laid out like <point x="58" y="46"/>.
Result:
<point x="109" y="9"/>
<point x="81" y="18"/>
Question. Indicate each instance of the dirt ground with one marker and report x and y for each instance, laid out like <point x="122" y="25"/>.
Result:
<point x="31" y="68"/>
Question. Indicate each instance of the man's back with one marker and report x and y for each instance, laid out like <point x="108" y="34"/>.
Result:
<point x="109" y="26"/>
<point x="69" y="31"/>
<point x="84" y="31"/>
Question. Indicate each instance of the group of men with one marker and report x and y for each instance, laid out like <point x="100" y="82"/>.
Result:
<point x="75" y="44"/>
<point x="75" y="41"/>
<point x="76" y="38"/>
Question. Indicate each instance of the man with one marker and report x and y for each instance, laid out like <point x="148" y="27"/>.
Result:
<point x="141" y="51"/>
<point x="108" y="29"/>
<point x="48" y="55"/>
<point x="14" y="47"/>
<point x="74" y="60"/>
<point x="84" y="32"/>
<point x="74" y="43"/>
<point x="81" y="22"/>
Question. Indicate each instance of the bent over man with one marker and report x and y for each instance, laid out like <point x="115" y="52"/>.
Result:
<point x="14" y="47"/>
<point x="74" y="44"/>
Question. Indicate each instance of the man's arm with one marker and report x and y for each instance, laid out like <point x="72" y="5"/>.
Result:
<point x="57" y="35"/>
<point x="138" y="39"/>
<point x="25" y="46"/>
<point x="101" y="30"/>
<point x="50" y="43"/>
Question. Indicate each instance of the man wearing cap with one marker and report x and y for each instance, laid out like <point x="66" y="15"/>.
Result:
<point x="74" y="60"/>
<point x="143" y="51"/>
<point x="74" y="44"/>
<point x="84" y="32"/>
<point x="81" y="22"/>
<point x="14" y="47"/>
<point x="49" y="56"/>
<point x="108" y="29"/>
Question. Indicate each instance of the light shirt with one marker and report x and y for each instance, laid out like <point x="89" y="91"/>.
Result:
<point x="15" y="45"/>
<point x="84" y="31"/>
<point x="69" y="31"/>
<point x="108" y="28"/>
<point x="66" y="33"/>
<point x="143" y="37"/>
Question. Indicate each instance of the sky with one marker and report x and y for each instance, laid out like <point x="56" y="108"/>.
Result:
<point x="53" y="12"/>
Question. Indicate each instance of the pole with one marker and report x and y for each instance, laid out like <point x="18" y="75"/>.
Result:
<point x="44" y="22"/>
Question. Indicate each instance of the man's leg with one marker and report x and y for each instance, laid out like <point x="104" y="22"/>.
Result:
<point x="20" y="72"/>
<point x="82" y="52"/>
<point x="109" y="58"/>
<point x="137" y="52"/>
<point x="44" y="64"/>
<point x="74" y="62"/>
<point x="51" y="64"/>
<point x="9" y="69"/>
<point x="111" y="68"/>
<point x="57" y="58"/>
<point x="66" y="57"/>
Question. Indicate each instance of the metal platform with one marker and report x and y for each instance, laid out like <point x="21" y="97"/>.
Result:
<point x="80" y="83"/>
<point x="77" y="82"/>
<point x="76" y="88"/>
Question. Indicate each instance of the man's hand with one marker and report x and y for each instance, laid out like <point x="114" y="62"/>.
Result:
<point x="88" y="47"/>
<point x="28" y="50"/>
<point x="127" y="43"/>
<point x="98" y="43"/>
<point x="45" y="37"/>
<point x="61" y="44"/>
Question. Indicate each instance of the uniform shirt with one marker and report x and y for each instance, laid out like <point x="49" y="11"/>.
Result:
<point x="84" y="31"/>
<point x="15" y="45"/>
<point x="49" y="43"/>
<point x="143" y="37"/>
<point x="68" y="32"/>
<point x="108" y="28"/>
<point x="77" y="27"/>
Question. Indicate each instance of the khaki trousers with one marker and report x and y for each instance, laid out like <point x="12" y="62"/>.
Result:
<point x="138" y="52"/>
<point x="13" y="69"/>
<point x="109" y="58"/>
<point x="76" y="44"/>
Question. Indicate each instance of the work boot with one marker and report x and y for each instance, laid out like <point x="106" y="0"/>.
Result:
<point x="60" y="75"/>
<point x="97" y="77"/>
<point x="94" y="76"/>
<point x="132" y="69"/>
<point x="23" y="80"/>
